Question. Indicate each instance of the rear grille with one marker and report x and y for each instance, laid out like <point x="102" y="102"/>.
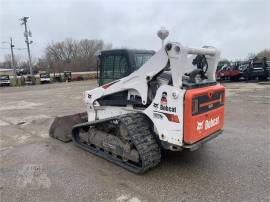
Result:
<point x="207" y="102"/>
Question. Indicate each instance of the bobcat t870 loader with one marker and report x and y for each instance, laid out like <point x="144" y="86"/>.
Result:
<point x="148" y="102"/>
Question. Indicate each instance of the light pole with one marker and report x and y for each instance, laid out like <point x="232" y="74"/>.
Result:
<point x="27" y="34"/>
<point x="162" y="34"/>
<point x="12" y="56"/>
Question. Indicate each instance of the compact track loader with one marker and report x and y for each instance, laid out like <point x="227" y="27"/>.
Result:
<point x="148" y="102"/>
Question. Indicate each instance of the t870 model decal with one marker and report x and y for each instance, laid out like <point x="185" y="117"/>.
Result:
<point x="157" y="115"/>
<point x="170" y="117"/>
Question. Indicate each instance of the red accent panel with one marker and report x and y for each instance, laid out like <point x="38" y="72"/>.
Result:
<point x="197" y="127"/>
<point x="172" y="117"/>
<point x="108" y="84"/>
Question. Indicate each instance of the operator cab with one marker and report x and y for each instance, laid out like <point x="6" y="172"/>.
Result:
<point x="118" y="63"/>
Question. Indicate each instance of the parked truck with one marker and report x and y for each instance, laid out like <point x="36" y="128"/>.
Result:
<point x="257" y="69"/>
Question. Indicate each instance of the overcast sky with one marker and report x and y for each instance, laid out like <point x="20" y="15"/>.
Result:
<point x="236" y="27"/>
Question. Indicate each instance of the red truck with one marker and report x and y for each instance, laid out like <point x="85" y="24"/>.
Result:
<point x="232" y="73"/>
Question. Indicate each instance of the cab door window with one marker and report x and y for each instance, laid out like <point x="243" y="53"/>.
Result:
<point x="120" y="66"/>
<point x="114" y="67"/>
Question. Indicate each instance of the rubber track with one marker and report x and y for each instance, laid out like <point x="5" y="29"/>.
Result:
<point x="143" y="140"/>
<point x="141" y="136"/>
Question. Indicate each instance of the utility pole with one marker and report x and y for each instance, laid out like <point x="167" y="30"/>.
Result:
<point x="27" y="34"/>
<point x="12" y="59"/>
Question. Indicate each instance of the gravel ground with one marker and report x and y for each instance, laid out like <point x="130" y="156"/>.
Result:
<point x="34" y="167"/>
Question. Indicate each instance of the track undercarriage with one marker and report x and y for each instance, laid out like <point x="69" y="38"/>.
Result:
<point x="125" y="140"/>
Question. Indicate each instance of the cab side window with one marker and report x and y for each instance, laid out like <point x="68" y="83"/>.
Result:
<point x="140" y="59"/>
<point x="120" y="66"/>
<point x="107" y="67"/>
<point x="113" y="67"/>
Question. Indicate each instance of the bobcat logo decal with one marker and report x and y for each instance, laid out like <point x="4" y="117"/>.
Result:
<point x="200" y="125"/>
<point x="207" y="124"/>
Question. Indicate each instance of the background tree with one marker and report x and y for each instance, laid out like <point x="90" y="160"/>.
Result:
<point x="264" y="53"/>
<point x="7" y="63"/>
<point x="71" y="55"/>
<point x="251" y="56"/>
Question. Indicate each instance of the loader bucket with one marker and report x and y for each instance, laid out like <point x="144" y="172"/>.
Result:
<point x="62" y="126"/>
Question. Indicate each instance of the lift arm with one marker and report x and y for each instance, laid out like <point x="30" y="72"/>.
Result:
<point x="173" y="53"/>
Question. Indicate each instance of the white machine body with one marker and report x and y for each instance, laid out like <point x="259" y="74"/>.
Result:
<point x="166" y="109"/>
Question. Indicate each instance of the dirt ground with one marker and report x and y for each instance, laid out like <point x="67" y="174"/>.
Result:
<point x="34" y="167"/>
